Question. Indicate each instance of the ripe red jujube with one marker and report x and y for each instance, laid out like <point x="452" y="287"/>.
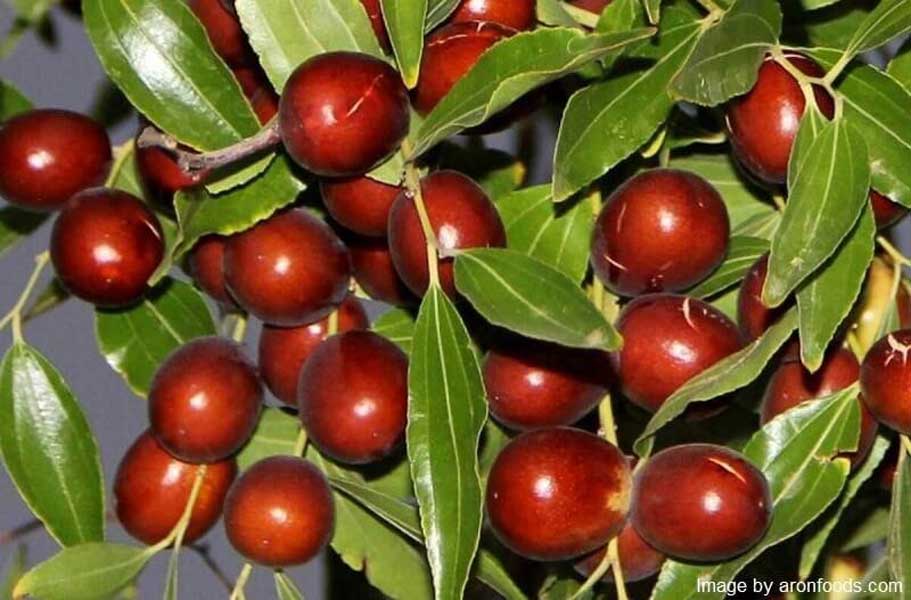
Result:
<point x="207" y="267"/>
<point x="515" y="14"/>
<point x="375" y="12"/>
<point x="753" y="316"/>
<point x="638" y="560"/>
<point x="886" y="212"/>
<point x="360" y="204"/>
<point x="223" y="28"/>
<point x="885" y="381"/>
<point x="371" y="261"/>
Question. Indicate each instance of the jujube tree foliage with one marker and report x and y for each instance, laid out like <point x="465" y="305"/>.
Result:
<point x="678" y="365"/>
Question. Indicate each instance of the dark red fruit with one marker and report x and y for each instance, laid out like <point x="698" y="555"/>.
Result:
<point x="265" y="104"/>
<point x="535" y="384"/>
<point x="280" y="512"/>
<point x="663" y="230"/>
<point x="555" y="494"/>
<point x="886" y="212"/>
<point x="341" y="113"/>
<point x="516" y="14"/>
<point x="638" y="560"/>
<point x="207" y="267"/>
<point x="763" y="123"/>
<point x="449" y="54"/>
<point x="162" y="175"/>
<point x="792" y="384"/>
<point x="375" y="12"/>
<point x="47" y="156"/>
<point x="283" y="350"/>
<point x="151" y="490"/>
<point x="258" y="91"/>
<point x="668" y="340"/>
<point x="701" y="502"/>
<point x="595" y="6"/>
<point x="359" y="203"/>
<point x="204" y="401"/>
<point x="753" y="316"/>
<point x="885" y="381"/>
<point x="375" y="272"/>
<point x="462" y="216"/>
<point x="224" y="30"/>
<point x="288" y="270"/>
<point x="105" y="245"/>
<point x="353" y="396"/>
<point x="251" y="79"/>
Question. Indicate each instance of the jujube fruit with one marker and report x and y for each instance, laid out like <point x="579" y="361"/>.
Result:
<point x="375" y="272"/>
<point x="353" y="396"/>
<point x="638" y="560"/>
<point x="47" y="156"/>
<point x="662" y="230"/>
<point x="341" y="113"/>
<point x="360" y="204"/>
<point x="375" y="13"/>
<point x="105" y="246"/>
<point x="288" y="270"/>
<point x="595" y="6"/>
<point x="280" y="512"/>
<point x="753" y="316"/>
<point x="556" y="494"/>
<point x="223" y="28"/>
<point x="204" y="401"/>
<point x="207" y="267"/>
<point x="885" y="211"/>
<point x="516" y="14"/>
<point x="701" y="502"/>
<point x="152" y="488"/>
<point x="668" y="340"/>
<point x="885" y="381"/>
<point x="162" y="175"/>
<point x="283" y="350"/>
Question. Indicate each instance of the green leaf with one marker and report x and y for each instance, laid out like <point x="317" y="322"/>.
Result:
<point x="16" y="225"/>
<point x="510" y="69"/>
<point x="606" y="122"/>
<point x="827" y="197"/>
<point x="447" y="409"/>
<point x="557" y="235"/>
<point x="32" y="11"/>
<point x="396" y="325"/>
<point x="890" y="19"/>
<point x="158" y="54"/>
<point x="200" y="213"/>
<point x="527" y="296"/>
<point x="498" y="172"/>
<point x="873" y="529"/>
<point x="285" y="33"/>
<point x="652" y="10"/>
<point x="795" y="452"/>
<point x="85" y="572"/>
<point x="438" y="11"/>
<point x="136" y="340"/>
<point x="48" y="447"/>
<point x="14" y="572"/>
<point x="285" y="588"/>
<point x="830" y="27"/>
<point x="275" y="434"/>
<point x="726" y="60"/>
<point x="725" y="376"/>
<point x="825" y="300"/>
<point x="898" y="545"/>
<point x="743" y="252"/>
<point x="817" y="4"/>
<point x="12" y="101"/>
<point x="552" y="12"/>
<point x="811" y="550"/>
<point x="405" y="24"/>
<point x="900" y="66"/>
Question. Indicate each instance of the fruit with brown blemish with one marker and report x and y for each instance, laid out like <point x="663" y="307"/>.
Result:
<point x="885" y="381"/>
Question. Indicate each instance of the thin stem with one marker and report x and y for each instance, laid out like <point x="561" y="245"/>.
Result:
<point x="20" y="531"/>
<point x="176" y="535"/>
<point x="608" y="428"/>
<point x="802" y="79"/>
<point x="664" y="156"/>
<point x="610" y="560"/>
<point x="893" y="252"/>
<point x="413" y="183"/>
<point x="14" y="316"/>
<point x="203" y="553"/>
<point x="241" y="582"/>
<point x="613" y="553"/>
<point x="193" y="162"/>
<point x="843" y="61"/>
<point x="713" y="9"/>
<point x="240" y="329"/>
<point x="778" y="199"/>
<point x="332" y="325"/>
<point x="301" y="444"/>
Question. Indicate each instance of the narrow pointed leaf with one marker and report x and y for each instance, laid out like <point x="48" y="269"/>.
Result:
<point x="405" y="24"/>
<point x="606" y="122"/>
<point x="890" y="19"/>
<point x="285" y="588"/>
<point x="446" y="413"/>
<point x="510" y="69"/>
<point x="136" y="340"/>
<point x="898" y="546"/>
<point x="275" y="435"/>
<point x="527" y="296"/>
<point x="438" y="11"/>
<point x="900" y="66"/>
<point x="725" y="62"/>
<point x="551" y="12"/>
<point x="49" y="449"/>
<point x="652" y="10"/>
<point x="743" y="252"/>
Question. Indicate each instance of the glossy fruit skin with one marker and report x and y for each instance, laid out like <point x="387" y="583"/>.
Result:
<point x="374" y="271"/>
<point x="885" y="381"/>
<point x="595" y="6"/>
<point x="162" y="175"/>
<point x="462" y="216"/>
<point x="207" y="267"/>
<point x="515" y="14"/>
<point x="792" y="384"/>
<point x="360" y="204"/>
<point x="701" y="502"/>
<point x="265" y="104"/>
<point x="288" y="270"/>
<point x="662" y="230"/>
<point x="886" y="212"/>
<point x="753" y="316"/>
<point x="532" y="384"/>
<point x="341" y="113"/>
<point x="47" y="156"/>
<point x="224" y="31"/>
<point x="204" y="401"/>
<point x="449" y="53"/>
<point x="556" y="494"/>
<point x="151" y="490"/>
<point x="375" y="12"/>
<point x="668" y="340"/>
<point x="763" y="123"/>
<point x="353" y="396"/>
<point x="638" y="560"/>
<point x="105" y="246"/>
<point x="280" y="512"/>
<point x="283" y="350"/>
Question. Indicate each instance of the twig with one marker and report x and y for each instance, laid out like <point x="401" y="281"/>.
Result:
<point x="20" y="531"/>
<point x="14" y="316"/>
<point x="202" y="551"/>
<point x="413" y="184"/>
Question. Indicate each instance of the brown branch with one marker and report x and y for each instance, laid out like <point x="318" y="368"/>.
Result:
<point x="202" y="550"/>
